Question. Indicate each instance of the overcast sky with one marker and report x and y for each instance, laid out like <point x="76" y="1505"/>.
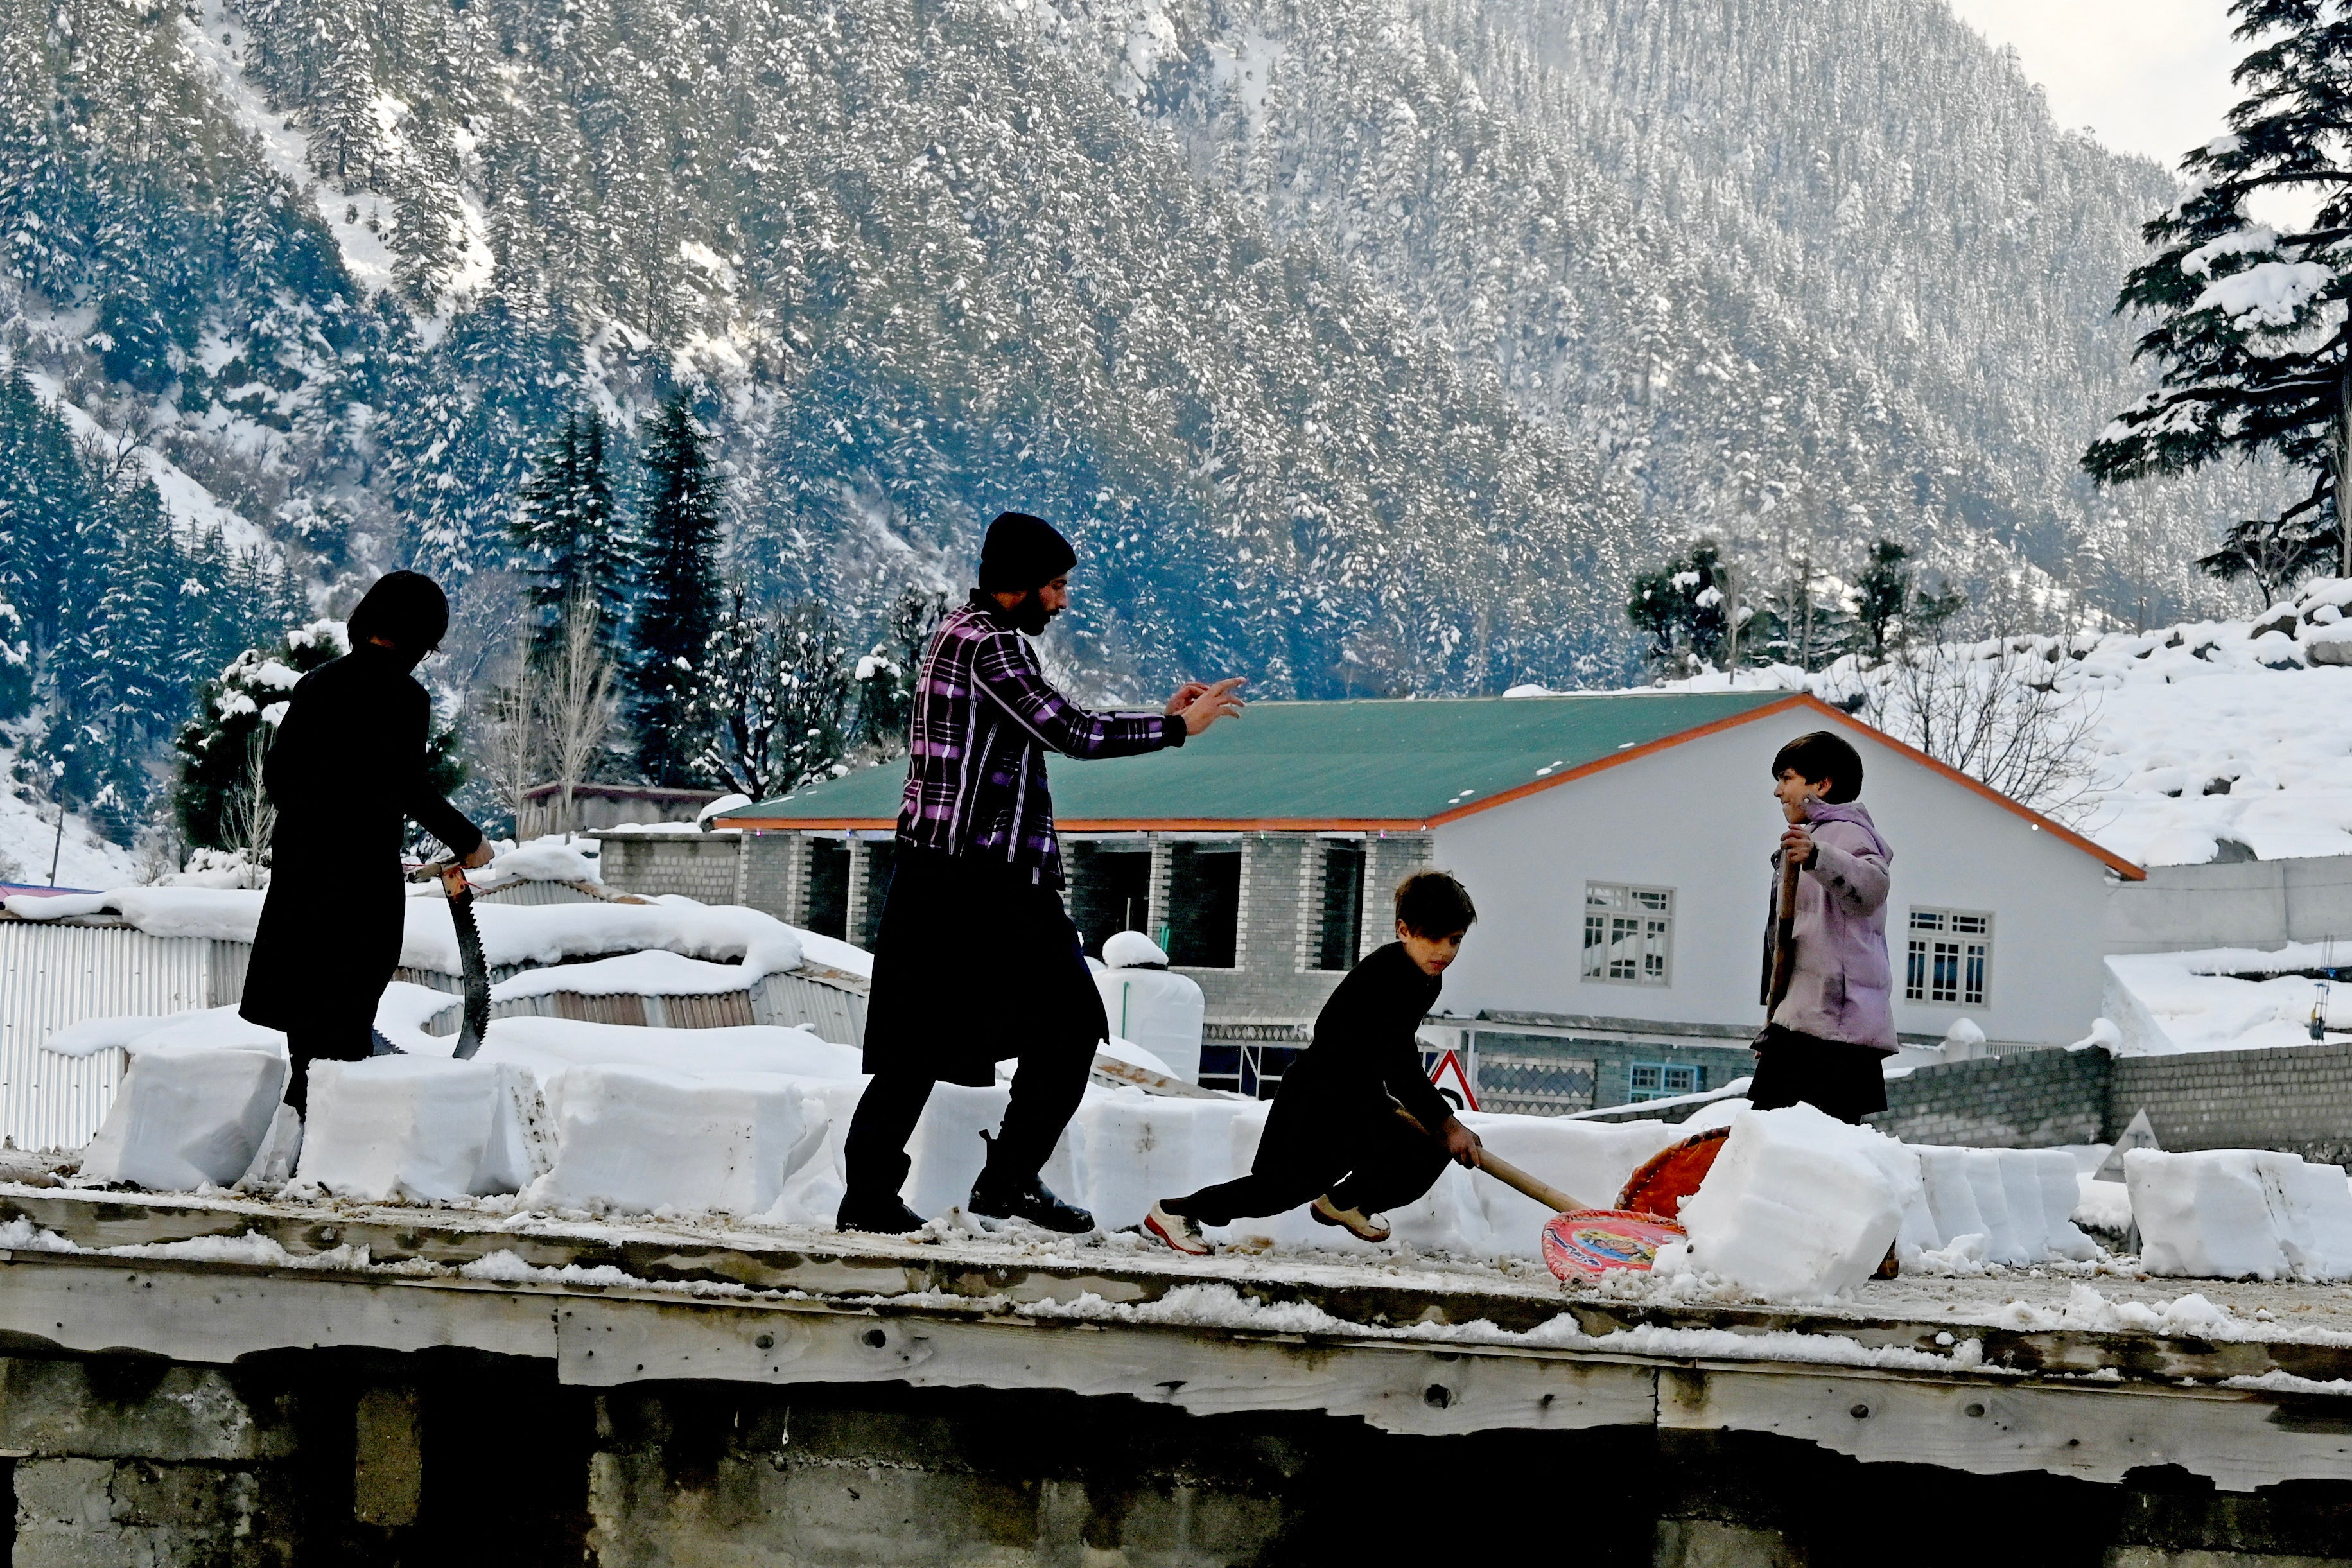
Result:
<point x="2148" y="76"/>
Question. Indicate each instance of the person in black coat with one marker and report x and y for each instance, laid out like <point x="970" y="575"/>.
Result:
<point x="347" y="768"/>
<point x="1333" y="1140"/>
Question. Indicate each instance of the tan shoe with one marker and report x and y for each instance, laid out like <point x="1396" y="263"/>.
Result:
<point x="1355" y="1222"/>
<point x="1180" y="1232"/>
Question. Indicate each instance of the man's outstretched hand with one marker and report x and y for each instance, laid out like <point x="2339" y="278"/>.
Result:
<point x="1201" y="704"/>
<point x="1462" y="1145"/>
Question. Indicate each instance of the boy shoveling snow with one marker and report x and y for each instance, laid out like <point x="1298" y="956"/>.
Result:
<point x="1333" y="1140"/>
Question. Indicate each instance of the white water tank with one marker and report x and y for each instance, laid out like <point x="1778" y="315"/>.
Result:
<point x="1148" y="1005"/>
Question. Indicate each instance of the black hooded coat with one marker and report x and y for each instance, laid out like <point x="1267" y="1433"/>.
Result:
<point x="347" y="768"/>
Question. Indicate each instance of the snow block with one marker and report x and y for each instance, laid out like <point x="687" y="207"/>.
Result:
<point x="2203" y="1215"/>
<point x="186" y="1116"/>
<point x="1799" y="1206"/>
<point x="1130" y="1150"/>
<point x="1157" y="1011"/>
<point x="407" y="1128"/>
<point x="2054" y="1173"/>
<point x="2310" y="1208"/>
<point x="640" y="1138"/>
<point x="2029" y="1225"/>
<point x="1951" y="1197"/>
<point x="1983" y="1168"/>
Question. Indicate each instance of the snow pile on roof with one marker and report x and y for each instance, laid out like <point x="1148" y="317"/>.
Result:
<point x="651" y="974"/>
<point x="2240" y="1212"/>
<point x="215" y="914"/>
<point x="2198" y="732"/>
<point x="204" y="1029"/>
<point x="1132" y="950"/>
<point x="551" y="933"/>
<point x="2225" y="999"/>
<point x="543" y="860"/>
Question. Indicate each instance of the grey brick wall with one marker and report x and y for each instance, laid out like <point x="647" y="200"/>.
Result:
<point x="2298" y="1098"/>
<point x="1269" y="985"/>
<point x="774" y="876"/>
<point x="705" y="866"/>
<point x="2030" y="1099"/>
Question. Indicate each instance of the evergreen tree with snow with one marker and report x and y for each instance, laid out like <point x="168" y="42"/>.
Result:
<point x="1892" y="606"/>
<point x="568" y="537"/>
<point x="1683" y="609"/>
<point x="679" y="606"/>
<point x="2251" y="335"/>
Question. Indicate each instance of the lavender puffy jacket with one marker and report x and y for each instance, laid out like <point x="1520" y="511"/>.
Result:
<point x="1844" y="987"/>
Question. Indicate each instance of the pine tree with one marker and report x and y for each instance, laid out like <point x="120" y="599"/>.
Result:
<point x="1892" y="606"/>
<point x="885" y="676"/>
<point x="1683" y="609"/>
<point x="2251" y="335"/>
<point x="568" y="536"/>
<point x="680" y="607"/>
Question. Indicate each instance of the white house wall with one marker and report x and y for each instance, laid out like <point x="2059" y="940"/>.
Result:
<point x="1700" y="819"/>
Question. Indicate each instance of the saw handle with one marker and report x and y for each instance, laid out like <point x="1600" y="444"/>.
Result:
<point x="449" y="872"/>
<point x="1502" y="1171"/>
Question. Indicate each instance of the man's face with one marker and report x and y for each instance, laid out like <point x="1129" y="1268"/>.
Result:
<point x="1430" y="954"/>
<point x="1040" y="606"/>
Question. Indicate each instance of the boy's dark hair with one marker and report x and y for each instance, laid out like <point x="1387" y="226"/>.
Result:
<point x="406" y="609"/>
<point x="1431" y="903"/>
<point x="1822" y="754"/>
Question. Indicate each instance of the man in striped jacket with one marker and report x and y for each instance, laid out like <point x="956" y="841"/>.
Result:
<point x="975" y="960"/>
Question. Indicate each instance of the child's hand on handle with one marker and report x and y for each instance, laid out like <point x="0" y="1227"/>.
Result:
<point x="1201" y="705"/>
<point x="1462" y="1145"/>
<point x="1796" y="844"/>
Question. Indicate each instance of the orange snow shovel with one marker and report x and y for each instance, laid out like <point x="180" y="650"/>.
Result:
<point x="1581" y="1243"/>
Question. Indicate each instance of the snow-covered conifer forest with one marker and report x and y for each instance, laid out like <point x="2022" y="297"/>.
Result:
<point x="1364" y="346"/>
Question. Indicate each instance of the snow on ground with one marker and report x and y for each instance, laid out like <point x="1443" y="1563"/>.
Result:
<point x="190" y="504"/>
<point x="28" y="833"/>
<point x="2215" y="730"/>
<point x="2225" y="999"/>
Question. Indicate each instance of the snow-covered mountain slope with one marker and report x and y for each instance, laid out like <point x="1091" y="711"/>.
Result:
<point x="1364" y="344"/>
<point x="2197" y="740"/>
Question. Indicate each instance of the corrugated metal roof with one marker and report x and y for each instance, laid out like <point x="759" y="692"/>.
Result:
<point x="1328" y="763"/>
<point x="52" y="974"/>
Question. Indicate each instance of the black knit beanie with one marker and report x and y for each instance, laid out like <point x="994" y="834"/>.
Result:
<point x="406" y="609"/>
<point x="1022" y="552"/>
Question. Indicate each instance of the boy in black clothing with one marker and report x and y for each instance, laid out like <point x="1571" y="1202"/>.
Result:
<point x="1333" y="1136"/>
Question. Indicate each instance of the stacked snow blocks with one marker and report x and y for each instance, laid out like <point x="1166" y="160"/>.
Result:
<point x="2234" y="1214"/>
<point x="2027" y="1099"/>
<point x="705" y="867"/>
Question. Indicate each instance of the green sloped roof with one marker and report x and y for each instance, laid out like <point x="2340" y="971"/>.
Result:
<point x="1299" y="764"/>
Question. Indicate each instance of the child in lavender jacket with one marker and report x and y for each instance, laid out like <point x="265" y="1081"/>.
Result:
<point x="1827" y="1041"/>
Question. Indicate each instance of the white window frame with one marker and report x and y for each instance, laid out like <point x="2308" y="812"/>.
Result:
<point x="1933" y="938"/>
<point x="1617" y="913"/>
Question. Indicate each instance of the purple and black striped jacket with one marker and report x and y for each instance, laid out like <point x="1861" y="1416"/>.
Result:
<point x="976" y="764"/>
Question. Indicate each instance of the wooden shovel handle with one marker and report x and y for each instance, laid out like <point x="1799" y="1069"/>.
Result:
<point x="1784" y="938"/>
<point x="1502" y="1171"/>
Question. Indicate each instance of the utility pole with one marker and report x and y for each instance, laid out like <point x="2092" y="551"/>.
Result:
<point x="2344" y="470"/>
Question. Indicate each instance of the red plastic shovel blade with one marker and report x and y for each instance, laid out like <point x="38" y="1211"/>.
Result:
<point x="1583" y="1243"/>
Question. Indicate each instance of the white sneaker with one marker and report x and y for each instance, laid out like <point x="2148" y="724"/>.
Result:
<point x="1355" y="1222"/>
<point x="1181" y="1232"/>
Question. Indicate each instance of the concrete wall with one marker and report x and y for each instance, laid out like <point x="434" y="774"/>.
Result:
<point x="704" y="866"/>
<point x="324" y="1459"/>
<point x="1699" y="818"/>
<point x="2252" y="903"/>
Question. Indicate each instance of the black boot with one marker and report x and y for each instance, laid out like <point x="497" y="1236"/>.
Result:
<point x="886" y="1214"/>
<point x="997" y="1195"/>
